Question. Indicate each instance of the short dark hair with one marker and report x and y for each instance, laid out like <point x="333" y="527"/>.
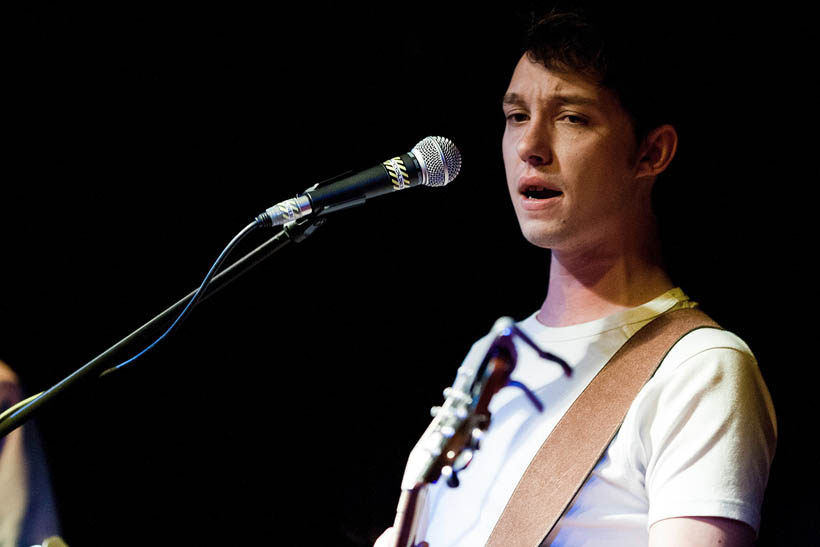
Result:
<point x="625" y="50"/>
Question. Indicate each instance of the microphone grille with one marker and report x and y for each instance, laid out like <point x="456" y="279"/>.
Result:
<point x="440" y="160"/>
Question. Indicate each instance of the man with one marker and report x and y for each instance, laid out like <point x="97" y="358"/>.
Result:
<point x="27" y="510"/>
<point x="583" y="146"/>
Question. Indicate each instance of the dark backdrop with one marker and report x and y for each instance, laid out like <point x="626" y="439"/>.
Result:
<point x="141" y="137"/>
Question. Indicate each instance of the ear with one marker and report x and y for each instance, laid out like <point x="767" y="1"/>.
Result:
<point x="657" y="151"/>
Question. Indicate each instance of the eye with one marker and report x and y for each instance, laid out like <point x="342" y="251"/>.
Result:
<point x="517" y="117"/>
<point x="573" y="119"/>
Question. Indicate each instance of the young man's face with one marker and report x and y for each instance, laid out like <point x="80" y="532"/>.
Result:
<point x="570" y="156"/>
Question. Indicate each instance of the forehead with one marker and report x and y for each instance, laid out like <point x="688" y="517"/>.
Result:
<point x="532" y="82"/>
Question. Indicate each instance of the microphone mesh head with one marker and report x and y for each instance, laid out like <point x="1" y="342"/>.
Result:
<point x="440" y="159"/>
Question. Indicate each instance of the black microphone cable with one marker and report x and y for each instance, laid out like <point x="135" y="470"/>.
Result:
<point x="436" y="161"/>
<point x="193" y="300"/>
<point x="197" y="296"/>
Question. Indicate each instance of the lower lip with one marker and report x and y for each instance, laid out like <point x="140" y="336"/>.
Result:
<point x="538" y="204"/>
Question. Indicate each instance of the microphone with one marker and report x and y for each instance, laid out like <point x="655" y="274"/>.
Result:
<point x="434" y="161"/>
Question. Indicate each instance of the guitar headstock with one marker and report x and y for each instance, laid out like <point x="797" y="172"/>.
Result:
<point x="455" y="433"/>
<point x="458" y="425"/>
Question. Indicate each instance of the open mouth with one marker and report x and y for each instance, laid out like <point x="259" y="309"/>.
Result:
<point x="539" y="192"/>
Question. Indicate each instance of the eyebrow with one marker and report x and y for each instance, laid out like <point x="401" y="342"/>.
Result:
<point x="515" y="99"/>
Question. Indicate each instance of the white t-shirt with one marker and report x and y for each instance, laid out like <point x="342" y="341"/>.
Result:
<point x="697" y="441"/>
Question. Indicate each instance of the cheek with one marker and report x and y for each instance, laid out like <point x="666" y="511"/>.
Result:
<point x="606" y="168"/>
<point x="510" y="157"/>
<point x="507" y="147"/>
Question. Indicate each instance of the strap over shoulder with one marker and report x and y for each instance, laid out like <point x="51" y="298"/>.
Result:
<point x="579" y="439"/>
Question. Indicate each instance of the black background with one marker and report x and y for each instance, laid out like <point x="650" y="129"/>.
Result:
<point x="141" y="137"/>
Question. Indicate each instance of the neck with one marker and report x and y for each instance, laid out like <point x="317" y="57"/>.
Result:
<point x="594" y="283"/>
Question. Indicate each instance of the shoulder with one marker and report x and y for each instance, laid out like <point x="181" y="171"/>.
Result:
<point x="706" y="404"/>
<point x="716" y="363"/>
<point x="705" y="342"/>
<point x="709" y="366"/>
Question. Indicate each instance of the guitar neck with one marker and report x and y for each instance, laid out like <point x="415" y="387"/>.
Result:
<point x="408" y="515"/>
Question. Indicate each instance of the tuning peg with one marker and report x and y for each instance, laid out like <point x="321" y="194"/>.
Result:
<point x="451" y="476"/>
<point x="457" y="395"/>
<point x="475" y="438"/>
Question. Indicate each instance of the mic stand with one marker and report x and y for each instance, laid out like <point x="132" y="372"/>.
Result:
<point x="296" y="231"/>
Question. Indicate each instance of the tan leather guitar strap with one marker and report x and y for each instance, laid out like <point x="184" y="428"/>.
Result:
<point x="571" y="451"/>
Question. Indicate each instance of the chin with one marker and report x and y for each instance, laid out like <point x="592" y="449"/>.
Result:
<point x="539" y="234"/>
<point x="540" y="239"/>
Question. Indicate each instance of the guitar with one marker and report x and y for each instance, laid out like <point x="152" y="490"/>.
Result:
<point x="452" y="438"/>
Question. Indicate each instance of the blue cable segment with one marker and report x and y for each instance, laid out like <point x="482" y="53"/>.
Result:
<point x="200" y="290"/>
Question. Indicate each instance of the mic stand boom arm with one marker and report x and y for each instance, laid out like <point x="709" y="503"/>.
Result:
<point x="295" y="231"/>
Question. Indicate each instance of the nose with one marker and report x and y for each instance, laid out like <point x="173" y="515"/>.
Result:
<point x="534" y="146"/>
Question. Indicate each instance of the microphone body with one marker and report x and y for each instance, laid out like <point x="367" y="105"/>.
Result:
<point x="434" y="161"/>
<point x="393" y="175"/>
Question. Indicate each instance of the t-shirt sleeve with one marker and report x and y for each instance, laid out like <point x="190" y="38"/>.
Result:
<point x="709" y="434"/>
